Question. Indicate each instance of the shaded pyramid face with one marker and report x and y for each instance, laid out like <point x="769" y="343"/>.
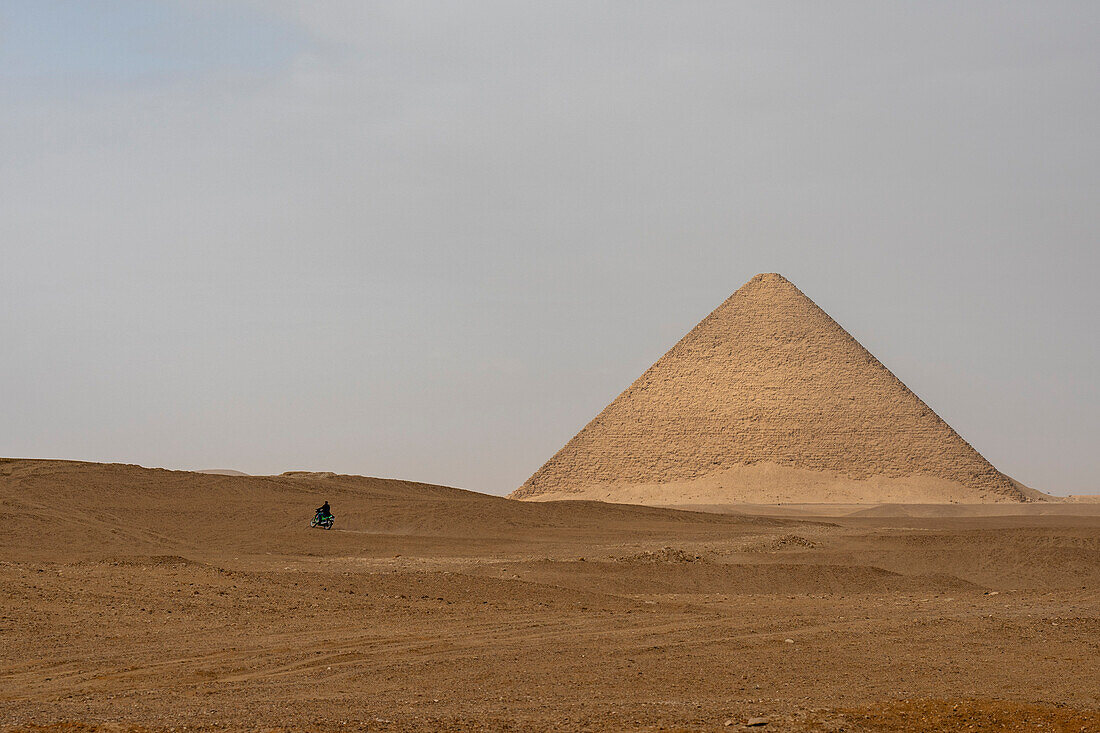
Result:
<point x="769" y="399"/>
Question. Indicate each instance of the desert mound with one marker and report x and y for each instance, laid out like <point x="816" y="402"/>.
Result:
<point x="769" y="400"/>
<point x="73" y="510"/>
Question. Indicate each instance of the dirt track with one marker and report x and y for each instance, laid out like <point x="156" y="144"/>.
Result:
<point x="167" y="599"/>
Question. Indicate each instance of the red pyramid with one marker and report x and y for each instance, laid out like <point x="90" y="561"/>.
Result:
<point x="769" y="399"/>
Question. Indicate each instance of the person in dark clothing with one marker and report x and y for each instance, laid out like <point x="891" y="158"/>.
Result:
<point x="324" y="510"/>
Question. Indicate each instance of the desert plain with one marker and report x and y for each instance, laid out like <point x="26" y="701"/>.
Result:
<point x="142" y="599"/>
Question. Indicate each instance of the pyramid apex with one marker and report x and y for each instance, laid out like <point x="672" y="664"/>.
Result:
<point x="767" y="283"/>
<point x="769" y="277"/>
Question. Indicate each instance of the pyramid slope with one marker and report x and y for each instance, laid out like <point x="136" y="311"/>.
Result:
<point x="768" y="392"/>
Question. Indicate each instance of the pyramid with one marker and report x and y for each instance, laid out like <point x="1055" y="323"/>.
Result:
<point x="769" y="400"/>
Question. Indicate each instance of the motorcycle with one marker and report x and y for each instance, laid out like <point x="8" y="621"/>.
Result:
<point x="324" y="522"/>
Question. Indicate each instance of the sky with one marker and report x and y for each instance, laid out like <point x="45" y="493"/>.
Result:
<point x="432" y="240"/>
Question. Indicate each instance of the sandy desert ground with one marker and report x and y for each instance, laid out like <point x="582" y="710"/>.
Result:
<point x="138" y="599"/>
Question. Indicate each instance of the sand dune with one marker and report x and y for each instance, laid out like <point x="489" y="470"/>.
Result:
<point x="92" y="508"/>
<point x="159" y="599"/>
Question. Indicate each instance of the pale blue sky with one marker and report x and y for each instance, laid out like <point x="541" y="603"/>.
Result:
<point x="432" y="240"/>
<point x="116" y="42"/>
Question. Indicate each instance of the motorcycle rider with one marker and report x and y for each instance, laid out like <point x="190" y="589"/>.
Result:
<point x="324" y="511"/>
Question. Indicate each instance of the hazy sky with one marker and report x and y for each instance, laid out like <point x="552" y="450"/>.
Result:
<point x="432" y="240"/>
